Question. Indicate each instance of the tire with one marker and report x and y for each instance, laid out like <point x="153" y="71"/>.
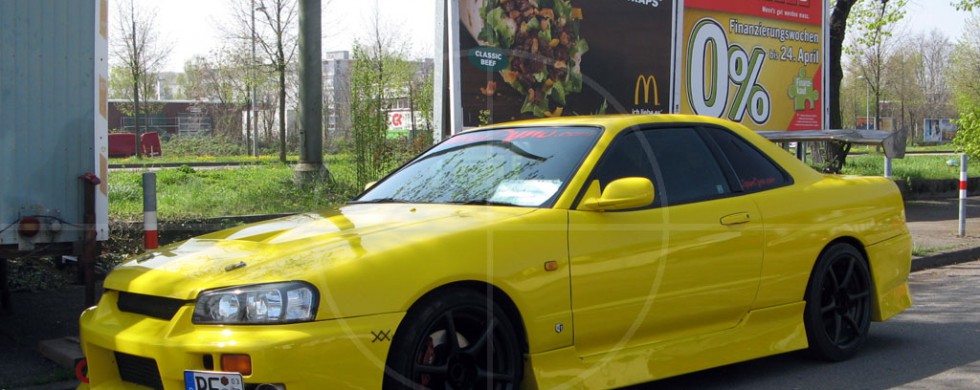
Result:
<point x="838" y="303"/>
<point x="485" y="354"/>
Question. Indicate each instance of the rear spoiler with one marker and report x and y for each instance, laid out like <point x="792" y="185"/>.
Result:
<point x="845" y="138"/>
<point x="885" y="139"/>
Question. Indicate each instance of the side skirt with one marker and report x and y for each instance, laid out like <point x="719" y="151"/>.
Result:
<point x="763" y="332"/>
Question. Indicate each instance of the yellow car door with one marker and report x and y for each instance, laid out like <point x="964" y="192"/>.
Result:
<point x="687" y="264"/>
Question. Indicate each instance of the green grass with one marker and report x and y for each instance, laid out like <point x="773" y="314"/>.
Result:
<point x="267" y="188"/>
<point x="925" y="251"/>
<point x="184" y="192"/>
<point x="924" y="167"/>
<point x="931" y="148"/>
<point x="167" y="159"/>
<point x="948" y="148"/>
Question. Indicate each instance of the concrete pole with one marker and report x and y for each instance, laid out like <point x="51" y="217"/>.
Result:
<point x="310" y="165"/>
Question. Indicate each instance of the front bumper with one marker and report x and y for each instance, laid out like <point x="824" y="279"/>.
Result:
<point x="343" y="353"/>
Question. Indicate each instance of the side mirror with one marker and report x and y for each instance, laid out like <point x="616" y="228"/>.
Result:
<point x="620" y="194"/>
<point x="369" y="185"/>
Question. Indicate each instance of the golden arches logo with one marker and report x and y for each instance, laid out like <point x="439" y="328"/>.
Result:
<point x="646" y="82"/>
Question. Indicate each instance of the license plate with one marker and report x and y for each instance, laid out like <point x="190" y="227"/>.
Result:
<point x="209" y="380"/>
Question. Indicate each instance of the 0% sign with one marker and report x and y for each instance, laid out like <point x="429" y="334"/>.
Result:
<point x="713" y="65"/>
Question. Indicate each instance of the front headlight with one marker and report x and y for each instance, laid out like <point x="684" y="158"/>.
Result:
<point x="274" y="303"/>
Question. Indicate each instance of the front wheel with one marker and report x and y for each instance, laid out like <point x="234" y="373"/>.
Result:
<point x="456" y="340"/>
<point x="838" y="303"/>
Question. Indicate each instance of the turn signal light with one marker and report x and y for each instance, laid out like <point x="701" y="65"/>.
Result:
<point x="29" y="227"/>
<point x="237" y="363"/>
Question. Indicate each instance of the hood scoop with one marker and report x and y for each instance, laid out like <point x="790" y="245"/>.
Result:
<point x="232" y="267"/>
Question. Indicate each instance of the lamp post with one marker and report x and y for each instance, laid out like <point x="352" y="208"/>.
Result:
<point x="252" y="80"/>
<point x="874" y="125"/>
<point x="867" y="103"/>
<point x="251" y="89"/>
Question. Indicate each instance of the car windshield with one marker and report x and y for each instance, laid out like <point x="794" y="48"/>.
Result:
<point x="514" y="167"/>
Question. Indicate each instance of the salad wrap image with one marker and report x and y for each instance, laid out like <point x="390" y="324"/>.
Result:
<point x="540" y="58"/>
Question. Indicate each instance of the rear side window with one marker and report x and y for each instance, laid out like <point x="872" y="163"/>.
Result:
<point x="754" y="170"/>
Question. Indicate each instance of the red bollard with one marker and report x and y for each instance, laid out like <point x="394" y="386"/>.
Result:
<point x="150" y="238"/>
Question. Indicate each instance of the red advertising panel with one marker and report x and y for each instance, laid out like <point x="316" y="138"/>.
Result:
<point x="526" y="59"/>
<point x="757" y="62"/>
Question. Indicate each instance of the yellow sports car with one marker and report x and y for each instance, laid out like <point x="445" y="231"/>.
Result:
<point x="589" y="252"/>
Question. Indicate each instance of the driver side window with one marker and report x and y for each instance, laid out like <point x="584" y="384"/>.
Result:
<point x="677" y="161"/>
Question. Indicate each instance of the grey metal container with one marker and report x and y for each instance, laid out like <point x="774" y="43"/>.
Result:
<point x="53" y="126"/>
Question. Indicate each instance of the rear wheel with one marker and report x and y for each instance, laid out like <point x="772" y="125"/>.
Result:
<point x="457" y="340"/>
<point x="838" y="303"/>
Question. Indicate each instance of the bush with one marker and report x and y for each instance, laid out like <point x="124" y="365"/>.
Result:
<point x="203" y="146"/>
<point x="37" y="274"/>
<point x="968" y="136"/>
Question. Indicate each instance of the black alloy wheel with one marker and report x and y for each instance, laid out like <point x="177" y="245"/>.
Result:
<point x="838" y="303"/>
<point x="458" y="340"/>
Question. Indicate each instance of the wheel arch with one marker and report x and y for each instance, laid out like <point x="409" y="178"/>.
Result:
<point x="853" y="242"/>
<point x="498" y="296"/>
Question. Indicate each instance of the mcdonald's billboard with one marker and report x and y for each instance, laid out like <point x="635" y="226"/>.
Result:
<point x="757" y="62"/>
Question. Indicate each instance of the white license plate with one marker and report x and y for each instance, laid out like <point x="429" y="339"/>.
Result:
<point x="209" y="380"/>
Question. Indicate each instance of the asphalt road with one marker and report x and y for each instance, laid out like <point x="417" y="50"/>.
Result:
<point x="933" y="345"/>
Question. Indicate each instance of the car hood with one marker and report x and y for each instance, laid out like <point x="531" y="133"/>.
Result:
<point x="299" y="247"/>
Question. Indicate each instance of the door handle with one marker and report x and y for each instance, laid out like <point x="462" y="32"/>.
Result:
<point x="736" y="219"/>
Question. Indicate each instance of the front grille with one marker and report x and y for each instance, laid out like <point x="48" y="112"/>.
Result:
<point x="148" y="305"/>
<point x="139" y="370"/>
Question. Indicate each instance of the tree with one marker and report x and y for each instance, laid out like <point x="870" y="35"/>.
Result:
<point x="139" y="54"/>
<point x="275" y="32"/>
<point x="420" y="90"/>
<point x="966" y="5"/>
<point x="874" y="22"/>
<point x="936" y="52"/>
<point x="965" y="66"/>
<point x="379" y="73"/>
<point x="832" y="151"/>
<point x="838" y="33"/>
<point x="966" y="87"/>
<point x="904" y="71"/>
<point x="222" y="76"/>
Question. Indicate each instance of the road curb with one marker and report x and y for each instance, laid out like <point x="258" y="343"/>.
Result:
<point x="945" y="258"/>
<point x="63" y="385"/>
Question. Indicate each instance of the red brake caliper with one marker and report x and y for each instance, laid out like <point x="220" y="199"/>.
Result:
<point x="427" y="358"/>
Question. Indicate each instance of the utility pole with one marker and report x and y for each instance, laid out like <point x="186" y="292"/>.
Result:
<point x="310" y="165"/>
<point x="136" y="63"/>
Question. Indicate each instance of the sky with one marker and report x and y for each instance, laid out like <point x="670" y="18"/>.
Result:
<point x="192" y="25"/>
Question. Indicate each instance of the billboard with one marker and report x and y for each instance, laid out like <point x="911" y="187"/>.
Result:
<point x="401" y="123"/>
<point x="521" y="59"/>
<point x="938" y="130"/>
<point x="757" y="62"/>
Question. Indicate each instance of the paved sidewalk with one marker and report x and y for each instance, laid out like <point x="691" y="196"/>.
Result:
<point x="934" y="226"/>
<point x="54" y="314"/>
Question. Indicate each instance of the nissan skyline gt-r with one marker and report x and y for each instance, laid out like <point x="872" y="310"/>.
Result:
<point x="588" y="252"/>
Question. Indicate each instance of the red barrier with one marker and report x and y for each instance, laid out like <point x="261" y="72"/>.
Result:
<point x="150" y="142"/>
<point x="122" y="145"/>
